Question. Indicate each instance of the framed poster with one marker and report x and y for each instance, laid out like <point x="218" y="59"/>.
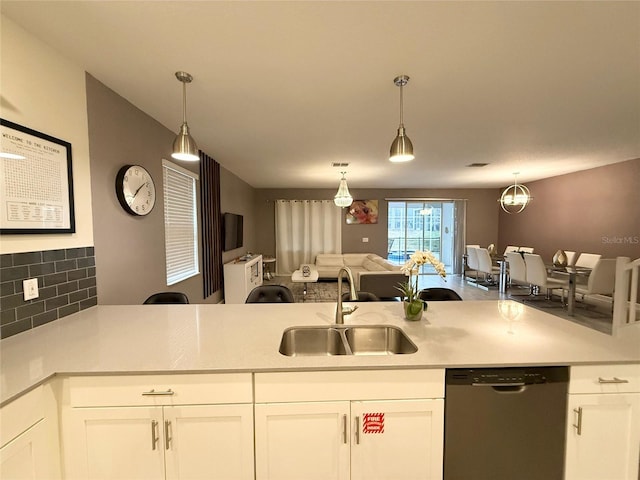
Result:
<point x="362" y="211"/>
<point x="36" y="182"/>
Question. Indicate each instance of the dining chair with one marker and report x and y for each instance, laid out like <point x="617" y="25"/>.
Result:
<point x="362" y="297"/>
<point x="438" y="294"/>
<point x="510" y="248"/>
<point x="485" y="265"/>
<point x="525" y="249"/>
<point x="537" y="275"/>
<point x="270" y="294"/>
<point x="587" y="260"/>
<point x="601" y="280"/>
<point x="517" y="269"/>
<point x="571" y="257"/>
<point x="167" y="297"/>
<point x="472" y="261"/>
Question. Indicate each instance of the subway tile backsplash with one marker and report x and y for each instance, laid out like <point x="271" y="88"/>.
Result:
<point x="66" y="284"/>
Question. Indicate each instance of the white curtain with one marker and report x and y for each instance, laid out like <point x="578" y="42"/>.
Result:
<point x="305" y="228"/>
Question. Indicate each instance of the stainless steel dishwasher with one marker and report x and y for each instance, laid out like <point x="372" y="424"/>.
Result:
<point x="505" y="423"/>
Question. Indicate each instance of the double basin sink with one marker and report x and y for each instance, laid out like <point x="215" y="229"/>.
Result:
<point x="345" y="340"/>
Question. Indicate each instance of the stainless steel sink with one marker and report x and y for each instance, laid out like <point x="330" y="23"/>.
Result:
<point x="378" y="340"/>
<point x="297" y="341"/>
<point x="346" y="340"/>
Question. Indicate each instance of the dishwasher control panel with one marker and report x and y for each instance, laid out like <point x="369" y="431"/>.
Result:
<point x="501" y="376"/>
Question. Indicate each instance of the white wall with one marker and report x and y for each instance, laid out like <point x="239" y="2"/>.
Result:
<point x="43" y="90"/>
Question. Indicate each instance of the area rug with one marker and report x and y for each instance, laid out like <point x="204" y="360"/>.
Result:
<point x="321" y="291"/>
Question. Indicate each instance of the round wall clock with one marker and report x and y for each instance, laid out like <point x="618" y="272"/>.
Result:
<point x="135" y="190"/>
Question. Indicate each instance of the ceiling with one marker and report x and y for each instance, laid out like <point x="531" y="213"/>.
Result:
<point x="283" y="89"/>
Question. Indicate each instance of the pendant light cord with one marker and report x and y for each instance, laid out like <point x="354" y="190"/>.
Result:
<point x="184" y="102"/>
<point x="401" y="107"/>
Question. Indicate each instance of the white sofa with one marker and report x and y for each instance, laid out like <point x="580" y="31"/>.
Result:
<point x="371" y="272"/>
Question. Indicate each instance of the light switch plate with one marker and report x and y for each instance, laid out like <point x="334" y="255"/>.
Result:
<point x="30" y="288"/>
<point x="365" y="239"/>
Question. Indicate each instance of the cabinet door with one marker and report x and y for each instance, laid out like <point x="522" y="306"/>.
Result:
<point x="116" y="443"/>
<point x="397" y="440"/>
<point x="296" y="441"/>
<point x="208" y="442"/>
<point x="607" y="445"/>
<point x="26" y="456"/>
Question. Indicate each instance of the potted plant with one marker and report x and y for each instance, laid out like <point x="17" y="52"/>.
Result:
<point x="414" y="306"/>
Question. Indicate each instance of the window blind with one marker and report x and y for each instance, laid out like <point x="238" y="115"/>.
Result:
<point x="180" y="222"/>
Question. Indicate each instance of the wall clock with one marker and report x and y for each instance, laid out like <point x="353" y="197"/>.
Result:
<point x="135" y="190"/>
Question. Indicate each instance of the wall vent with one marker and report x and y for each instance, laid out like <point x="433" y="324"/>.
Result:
<point x="340" y="164"/>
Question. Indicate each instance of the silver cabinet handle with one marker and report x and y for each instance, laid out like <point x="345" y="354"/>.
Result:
<point x="167" y="434"/>
<point x="162" y="392"/>
<point x="615" y="380"/>
<point x="578" y="425"/>
<point x="154" y="434"/>
<point x="344" y="429"/>
<point x="357" y="431"/>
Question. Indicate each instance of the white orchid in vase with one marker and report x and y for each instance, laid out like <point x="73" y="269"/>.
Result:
<point x="412" y="267"/>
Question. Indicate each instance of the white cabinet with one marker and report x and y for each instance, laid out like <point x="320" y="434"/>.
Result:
<point x="603" y="437"/>
<point x="240" y="277"/>
<point x="28" y="439"/>
<point x="160" y="427"/>
<point x="350" y="434"/>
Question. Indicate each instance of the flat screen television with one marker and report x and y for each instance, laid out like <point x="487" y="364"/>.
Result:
<point x="232" y="231"/>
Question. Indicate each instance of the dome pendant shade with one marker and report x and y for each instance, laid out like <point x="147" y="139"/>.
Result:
<point x="184" y="146"/>
<point x="401" y="148"/>
<point x="343" y="198"/>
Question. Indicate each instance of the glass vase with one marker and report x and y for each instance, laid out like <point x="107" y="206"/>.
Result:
<point x="413" y="310"/>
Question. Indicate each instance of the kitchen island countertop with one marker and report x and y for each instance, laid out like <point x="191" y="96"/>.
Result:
<point x="123" y="339"/>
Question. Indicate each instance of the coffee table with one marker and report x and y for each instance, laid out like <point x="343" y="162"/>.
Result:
<point x="298" y="277"/>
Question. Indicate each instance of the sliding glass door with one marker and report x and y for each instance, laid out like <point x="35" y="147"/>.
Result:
<point x="423" y="225"/>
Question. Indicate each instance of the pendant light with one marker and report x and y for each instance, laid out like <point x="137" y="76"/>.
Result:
<point x="401" y="148"/>
<point x="184" y="146"/>
<point x="515" y="197"/>
<point x="343" y="198"/>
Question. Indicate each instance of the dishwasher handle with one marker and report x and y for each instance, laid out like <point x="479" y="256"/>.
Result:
<point x="513" y="384"/>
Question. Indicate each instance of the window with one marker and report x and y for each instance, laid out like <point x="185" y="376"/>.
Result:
<point x="180" y="222"/>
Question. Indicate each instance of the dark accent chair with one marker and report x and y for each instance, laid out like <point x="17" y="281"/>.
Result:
<point x="362" y="297"/>
<point x="438" y="294"/>
<point x="270" y="294"/>
<point x="167" y="297"/>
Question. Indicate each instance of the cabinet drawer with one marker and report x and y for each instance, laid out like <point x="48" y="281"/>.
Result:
<point x="605" y="379"/>
<point x="17" y="416"/>
<point x="141" y="390"/>
<point x="349" y="385"/>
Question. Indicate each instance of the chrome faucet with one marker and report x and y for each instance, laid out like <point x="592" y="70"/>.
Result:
<point x="340" y="312"/>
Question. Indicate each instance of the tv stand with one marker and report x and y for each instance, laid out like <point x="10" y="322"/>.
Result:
<point x="240" y="277"/>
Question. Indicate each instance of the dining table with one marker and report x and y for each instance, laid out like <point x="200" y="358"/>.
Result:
<point x="573" y="273"/>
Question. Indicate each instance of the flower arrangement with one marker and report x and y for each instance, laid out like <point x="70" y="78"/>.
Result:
<point x="410" y="289"/>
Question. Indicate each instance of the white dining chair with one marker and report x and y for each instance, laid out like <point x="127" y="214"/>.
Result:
<point x="517" y="269"/>
<point x="472" y="261"/>
<point x="571" y="257"/>
<point x="601" y="280"/>
<point x="510" y="248"/>
<point x="587" y="260"/>
<point x="485" y="265"/>
<point x="526" y="249"/>
<point x="537" y="275"/>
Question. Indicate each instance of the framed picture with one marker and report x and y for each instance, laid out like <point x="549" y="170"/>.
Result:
<point x="362" y="212"/>
<point x="36" y="182"/>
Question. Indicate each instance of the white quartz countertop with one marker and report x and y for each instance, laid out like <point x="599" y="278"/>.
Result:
<point x="241" y="338"/>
